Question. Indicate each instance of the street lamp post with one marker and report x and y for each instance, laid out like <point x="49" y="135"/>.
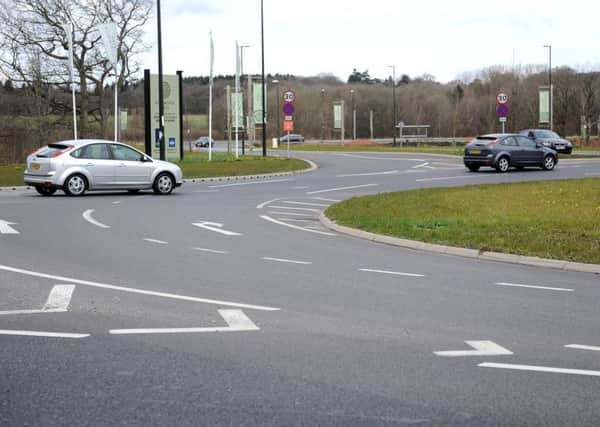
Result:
<point x="322" y="114"/>
<point x="262" y="45"/>
<point x="242" y="91"/>
<point x="393" y="67"/>
<point x="161" y="97"/>
<point x="550" y="118"/>
<point x="353" y="114"/>
<point x="276" y="82"/>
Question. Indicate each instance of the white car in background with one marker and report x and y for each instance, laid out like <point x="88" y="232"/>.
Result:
<point x="77" y="166"/>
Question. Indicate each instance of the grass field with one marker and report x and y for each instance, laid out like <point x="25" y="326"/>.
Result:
<point x="553" y="219"/>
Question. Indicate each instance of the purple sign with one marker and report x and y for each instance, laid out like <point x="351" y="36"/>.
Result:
<point x="288" y="109"/>
<point x="502" y="110"/>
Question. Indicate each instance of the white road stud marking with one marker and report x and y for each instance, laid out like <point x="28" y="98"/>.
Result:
<point x="135" y="290"/>
<point x="583" y="347"/>
<point x="216" y="226"/>
<point x="518" y="285"/>
<point x="42" y="334"/>
<point x="327" y="190"/>
<point x="540" y="369"/>
<point x="213" y="251"/>
<point x="482" y="348"/>
<point x="396" y="273"/>
<point x="273" y="220"/>
<point x="368" y="174"/>
<point x="5" y="227"/>
<point x="236" y="320"/>
<point x="58" y="302"/>
<point x="160" y="242"/>
<point x="87" y="215"/>
<point x="266" y="258"/>
<point x="250" y="183"/>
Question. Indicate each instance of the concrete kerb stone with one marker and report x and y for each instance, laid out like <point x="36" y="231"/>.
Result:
<point x="462" y="252"/>
<point x="312" y="167"/>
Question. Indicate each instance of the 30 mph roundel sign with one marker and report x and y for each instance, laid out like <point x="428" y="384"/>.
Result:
<point x="502" y="98"/>
<point x="289" y="96"/>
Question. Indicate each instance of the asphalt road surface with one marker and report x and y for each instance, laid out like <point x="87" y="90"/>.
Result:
<point x="227" y="303"/>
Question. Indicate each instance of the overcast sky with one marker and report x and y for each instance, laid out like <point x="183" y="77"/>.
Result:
<point x="444" y="38"/>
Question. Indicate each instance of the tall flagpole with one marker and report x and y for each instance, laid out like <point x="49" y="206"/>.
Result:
<point x="237" y="95"/>
<point x="210" y="95"/>
<point x="69" y="33"/>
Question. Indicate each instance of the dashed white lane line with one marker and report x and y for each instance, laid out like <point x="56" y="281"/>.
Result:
<point x="42" y="334"/>
<point x="291" y="261"/>
<point x="547" y="288"/>
<point x="250" y="183"/>
<point x="368" y="174"/>
<point x="540" y="369"/>
<point x="327" y="190"/>
<point x="87" y="215"/>
<point x="212" y="251"/>
<point x="583" y="347"/>
<point x="135" y="290"/>
<point x="160" y="242"/>
<point x="395" y="273"/>
<point x="273" y="220"/>
<point x="263" y="204"/>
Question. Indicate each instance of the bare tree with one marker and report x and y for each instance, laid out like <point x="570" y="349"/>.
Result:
<point x="31" y="29"/>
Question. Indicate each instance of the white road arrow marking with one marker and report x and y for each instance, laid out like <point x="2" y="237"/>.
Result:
<point x="58" y="301"/>
<point x="5" y="227"/>
<point x="236" y="320"/>
<point x="482" y="348"/>
<point x="217" y="227"/>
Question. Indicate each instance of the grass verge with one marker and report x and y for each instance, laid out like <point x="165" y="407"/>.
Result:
<point x="550" y="219"/>
<point x="196" y="165"/>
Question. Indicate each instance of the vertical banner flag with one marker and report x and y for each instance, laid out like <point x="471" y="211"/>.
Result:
<point x="212" y="57"/>
<point x="544" y="103"/>
<point x="210" y="94"/>
<point x="110" y="41"/>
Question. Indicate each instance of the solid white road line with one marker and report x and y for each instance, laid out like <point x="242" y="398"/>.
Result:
<point x="341" y="188"/>
<point x="356" y="156"/>
<point x="213" y="251"/>
<point x="236" y="320"/>
<point x="294" y="208"/>
<point x="87" y="215"/>
<point x="42" y="334"/>
<point x="59" y="298"/>
<point x="305" y="204"/>
<point x="160" y="242"/>
<point x="518" y="285"/>
<point x="326" y="199"/>
<point x="273" y="220"/>
<point x="592" y="173"/>
<point x="368" y="174"/>
<point x="540" y="369"/>
<point x="135" y="290"/>
<point x="291" y="261"/>
<point x="263" y="204"/>
<point x="289" y="213"/>
<point x="583" y="347"/>
<point x="396" y="273"/>
<point x="445" y="178"/>
<point x="249" y="183"/>
<point x="481" y="348"/>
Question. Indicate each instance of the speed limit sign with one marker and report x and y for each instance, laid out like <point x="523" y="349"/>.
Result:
<point x="289" y="96"/>
<point x="502" y="98"/>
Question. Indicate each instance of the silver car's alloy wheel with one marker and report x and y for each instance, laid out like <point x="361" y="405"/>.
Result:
<point x="75" y="185"/>
<point x="163" y="184"/>
<point x="503" y="164"/>
<point x="549" y="163"/>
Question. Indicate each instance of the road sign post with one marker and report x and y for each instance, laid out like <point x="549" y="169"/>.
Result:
<point x="502" y="110"/>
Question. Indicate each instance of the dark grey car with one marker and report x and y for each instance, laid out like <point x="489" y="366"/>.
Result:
<point x="550" y="139"/>
<point x="503" y="151"/>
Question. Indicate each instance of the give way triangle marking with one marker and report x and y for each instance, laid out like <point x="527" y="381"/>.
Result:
<point x="58" y="301"/>
<point x="481" y="348"/>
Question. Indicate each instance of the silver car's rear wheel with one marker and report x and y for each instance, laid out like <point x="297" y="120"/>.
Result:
<point x="503" y="164"/>
<point x="163" y="184"/>
<point x="75" y="185"/>
<point x="549" y="163"/>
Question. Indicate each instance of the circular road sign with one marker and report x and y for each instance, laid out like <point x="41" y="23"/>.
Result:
<point x="502" y="98"/>
<point x="289" y="96"/>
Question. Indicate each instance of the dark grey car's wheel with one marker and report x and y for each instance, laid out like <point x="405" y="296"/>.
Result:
<point x="164" y="183"/>
<point x="75" y="185"/>
<point x="503" y="164"/>
<point x="549" y="163"/>
<point x="45" y="191"/>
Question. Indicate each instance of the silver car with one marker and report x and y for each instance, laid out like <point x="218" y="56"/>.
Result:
<point x="89" y="164"/>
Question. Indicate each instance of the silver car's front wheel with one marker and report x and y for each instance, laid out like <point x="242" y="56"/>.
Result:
<point x="75" y="185"/>
<point x="163" y="184"/>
